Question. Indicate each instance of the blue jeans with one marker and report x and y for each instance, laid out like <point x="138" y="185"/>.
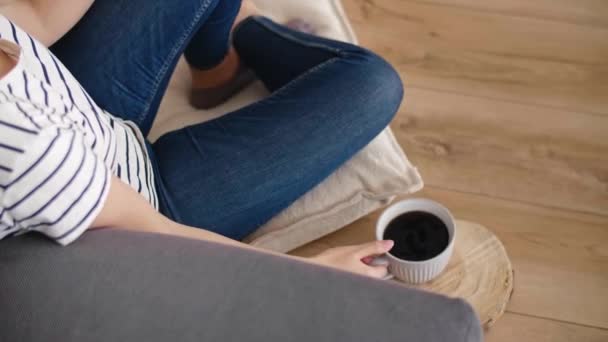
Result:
<point x="232" y="174"/>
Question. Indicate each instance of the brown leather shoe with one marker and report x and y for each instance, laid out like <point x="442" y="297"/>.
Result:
<point x="206" y="98"/>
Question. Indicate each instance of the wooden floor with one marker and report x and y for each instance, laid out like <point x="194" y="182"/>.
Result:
<point x="506" y="116"/>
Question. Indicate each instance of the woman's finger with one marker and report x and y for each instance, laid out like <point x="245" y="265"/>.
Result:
<point x="374" y="248"/>
<point x="367" y="260"/>
<point x="378" y="272"/>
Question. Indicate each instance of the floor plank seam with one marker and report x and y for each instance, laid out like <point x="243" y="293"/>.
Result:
<point x="557" y="320"/>
<point x="544" y="206"/>
<point x="494" y="12"/>
<point x="507" y="101"/>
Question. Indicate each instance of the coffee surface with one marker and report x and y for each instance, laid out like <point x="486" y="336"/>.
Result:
<point x="418" y="236"/>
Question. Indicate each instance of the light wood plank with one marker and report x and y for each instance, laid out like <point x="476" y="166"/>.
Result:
<point x="529" y="153"/>
<point x="583" y="12"/>
<point x="551" y="55"/>
<point x="513" y="327"/>
<point x="485" y="54"/>
<point x="560" y="257"/>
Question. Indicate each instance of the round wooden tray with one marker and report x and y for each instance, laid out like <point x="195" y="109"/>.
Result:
<point x="479" y="272"/>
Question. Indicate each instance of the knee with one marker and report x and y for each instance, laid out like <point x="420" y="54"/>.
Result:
<point x="380" y="87"/>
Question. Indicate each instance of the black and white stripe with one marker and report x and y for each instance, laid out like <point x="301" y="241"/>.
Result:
<point x="57" y="147"/>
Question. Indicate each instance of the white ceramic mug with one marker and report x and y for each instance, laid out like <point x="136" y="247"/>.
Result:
<point x="416" y="272"/>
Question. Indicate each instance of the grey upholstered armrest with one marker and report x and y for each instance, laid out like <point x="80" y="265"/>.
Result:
<point x="120" y="286"/>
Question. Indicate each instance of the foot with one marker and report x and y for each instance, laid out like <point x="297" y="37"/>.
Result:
<point x="210" y="88"/>
<point x="207" y="92"/>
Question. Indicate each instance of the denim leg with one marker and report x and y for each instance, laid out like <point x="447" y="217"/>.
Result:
<point x="233" y="174"/>
<point x="124" y="52"/>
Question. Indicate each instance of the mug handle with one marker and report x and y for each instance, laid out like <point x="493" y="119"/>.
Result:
<point x="381" y="261"/>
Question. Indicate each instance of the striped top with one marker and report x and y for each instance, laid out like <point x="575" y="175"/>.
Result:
<point x="58" y="149"/>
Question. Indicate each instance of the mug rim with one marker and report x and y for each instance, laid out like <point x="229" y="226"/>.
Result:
<point x="452" y="233"/>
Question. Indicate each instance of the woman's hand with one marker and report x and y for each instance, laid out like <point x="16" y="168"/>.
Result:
<point x="356" y="258"/>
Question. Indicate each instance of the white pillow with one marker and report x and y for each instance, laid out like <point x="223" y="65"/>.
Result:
<point x="367" y="182"/>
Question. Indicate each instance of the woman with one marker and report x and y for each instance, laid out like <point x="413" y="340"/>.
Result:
<point x="72" y="160"/>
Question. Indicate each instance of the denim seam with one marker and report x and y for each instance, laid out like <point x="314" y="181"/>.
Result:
<point x="294" y="82"/>
<point x="172" y="54"/>
<point x="339" y="54"/>
<point x="193" y="140"/>
<point x="296" y="39"/>
<point x="297" y="80"/>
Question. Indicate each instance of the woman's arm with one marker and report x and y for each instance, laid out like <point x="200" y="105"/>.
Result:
<point x="6" y="64"/>
<point x="126" y="209"/>
<point x="45" y="20"/>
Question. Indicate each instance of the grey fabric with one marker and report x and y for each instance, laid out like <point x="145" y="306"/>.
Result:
<point x="114" y="285"/>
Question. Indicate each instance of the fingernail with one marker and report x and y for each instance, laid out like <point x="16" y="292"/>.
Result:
<point x="388" y="244"/>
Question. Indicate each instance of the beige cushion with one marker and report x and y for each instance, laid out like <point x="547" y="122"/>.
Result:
<point x="370" y="180"/>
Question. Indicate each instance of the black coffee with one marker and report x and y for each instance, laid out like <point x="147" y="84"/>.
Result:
<point x="418" y="235"/>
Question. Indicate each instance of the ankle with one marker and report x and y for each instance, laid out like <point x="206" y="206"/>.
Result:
<point x="248" y="9"/>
